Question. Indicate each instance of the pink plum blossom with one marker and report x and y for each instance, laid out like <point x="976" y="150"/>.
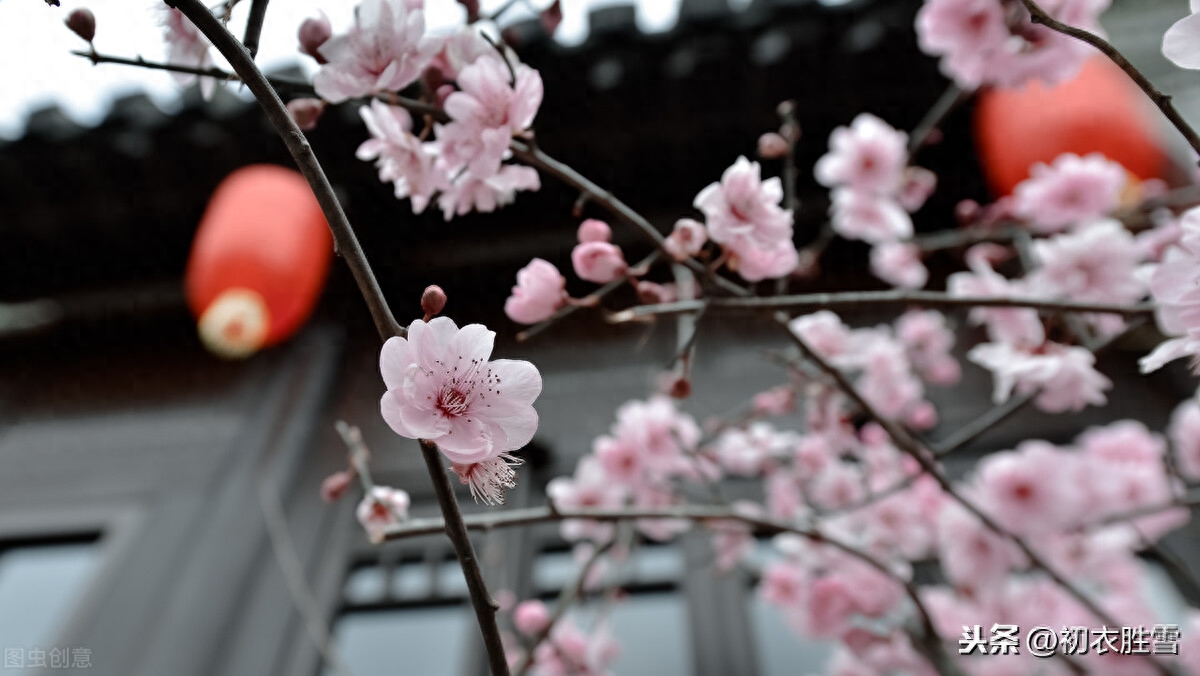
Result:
<point x="686" y="240"/>
<point x="748" y="452"/>
<point x="1181" y="43"/>
<point x="385" y="51"/>
<point x="779" y="400"/>
<point x="970" y="553"/>
<point x="1026" y="490"/>
<point x="899" y="264"/>
<point x="313" y="33"/>
<point x="401" y="157"/>
<point x="441" y="387"/>
<point x="470" y="193"/>
<point x="872" y="218"/>
<point x="486" y="112"/>
<point x="1096" y="262"/>
<point x="1184" y="432"/>
<point x="1017" y="326"/>
<point x="531" y="617"/>
<point x="187" y="46"/>
<point x="755" y="264"/>
<point x="1175" y="286"/>
<point x="918" y="185"/>
<point x="381" y="508"/>
<point x="1063" y="377"/>
<point x="460" y="50"/>
<point x="837" y="486"/>
<point x="599" y="262"/>
<point x="590" y="487"/>
<point x="976" y="46"/>
<point x="868" y="156"/>
<point x="539" y="293"/>
<point x="1071" y="189"/>
<point x="571" y="652"/>
<point x="592" y="230"/>
<point x="743" y="208"/>
<point x="929" y="341"/>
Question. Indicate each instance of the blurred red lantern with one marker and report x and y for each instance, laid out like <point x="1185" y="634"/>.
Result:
<point x="258" y="262"/>
<point x="1099" y="111"/>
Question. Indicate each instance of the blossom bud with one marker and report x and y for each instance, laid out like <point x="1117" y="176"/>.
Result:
<point x="334" y="486"/>
<point x="531" y="617"/>
<point x="687" y="239"/>
<point x="599" y="262"/>
<point x="923" y="416"/>
<point x="967" y="211"/>
<point x="432" y="301"/>
<point x="313" y="33"/>
<point x="82" y="22"/>
<point x="675" y="386"/>
<point x="593" y="230"/>
<point x="772" y="146"/>
<point x="306" y="111"/>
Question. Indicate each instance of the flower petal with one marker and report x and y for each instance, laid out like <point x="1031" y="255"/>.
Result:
<point x="1181" y="43"/>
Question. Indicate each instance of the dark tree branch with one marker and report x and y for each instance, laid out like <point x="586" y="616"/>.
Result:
<point x="1160" y="99"/>
<point x="385" y="323"/>
<point x="456" y="530"/>
<point x="254" y="25"/>
<point x="946" y="104"/>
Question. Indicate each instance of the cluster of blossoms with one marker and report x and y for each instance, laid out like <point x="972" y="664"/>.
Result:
<point x="486" y="93"/>
<point x="743" y="217"/>
<point x="567" y="650"/>
<point x="874" y="191"/>
<point x="994" y="42"/>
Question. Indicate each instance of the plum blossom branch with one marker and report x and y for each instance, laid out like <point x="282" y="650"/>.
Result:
<point x="913" y="448"/>
<point x="1160" y="99"/>
<point x="343" y="234"/>
<point x="597" y="295"/>
<point x="254" y="25"/>
<point x="535" y="157"/>
<point x="565" y="600"/>
<point x="701" y="513"/>
<point x="385" y="322"/>
<point x="813" y="301"/>
<point x="947" y="103"/>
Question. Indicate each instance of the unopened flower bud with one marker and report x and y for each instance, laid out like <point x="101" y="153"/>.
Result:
<point x="593" y="230"/>
<point x="772" y="146"/>
<point x="82" y="22"/>
<point x="306" y="111"/>
<point x="432" y="301"/>
<point x="967" y="212"/>
<point x="531" y="617"/>
<point x="334" y="486"/>
<point x="313" y="33"/>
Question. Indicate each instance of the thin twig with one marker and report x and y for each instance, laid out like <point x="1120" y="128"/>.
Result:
<point x="816" y="301"/>
<point x="566" y="598"/>
<point x="947" y="103"/>
<point x="1163" y="101"/>
<point x="598" y="294"/>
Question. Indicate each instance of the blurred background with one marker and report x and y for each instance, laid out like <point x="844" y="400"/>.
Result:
<point x="150" y="491"/>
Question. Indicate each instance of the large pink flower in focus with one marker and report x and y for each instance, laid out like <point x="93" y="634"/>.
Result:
<point x="186" y="46"/>
<point x="1071" y="189"/>
<point x="743" y="207"/>
<point x="442" y="388"/>
<point x="400" y="156"/>
<point x="385" y="51"/>
<point x="868" y="156"/>
<point x="470" y="193"/>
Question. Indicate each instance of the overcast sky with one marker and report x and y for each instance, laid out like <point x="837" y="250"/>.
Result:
<point x="37" y="68"/>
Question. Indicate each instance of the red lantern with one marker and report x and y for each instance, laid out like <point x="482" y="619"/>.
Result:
<point x="259" y="260"/>
<point x="1099" y="111"/>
